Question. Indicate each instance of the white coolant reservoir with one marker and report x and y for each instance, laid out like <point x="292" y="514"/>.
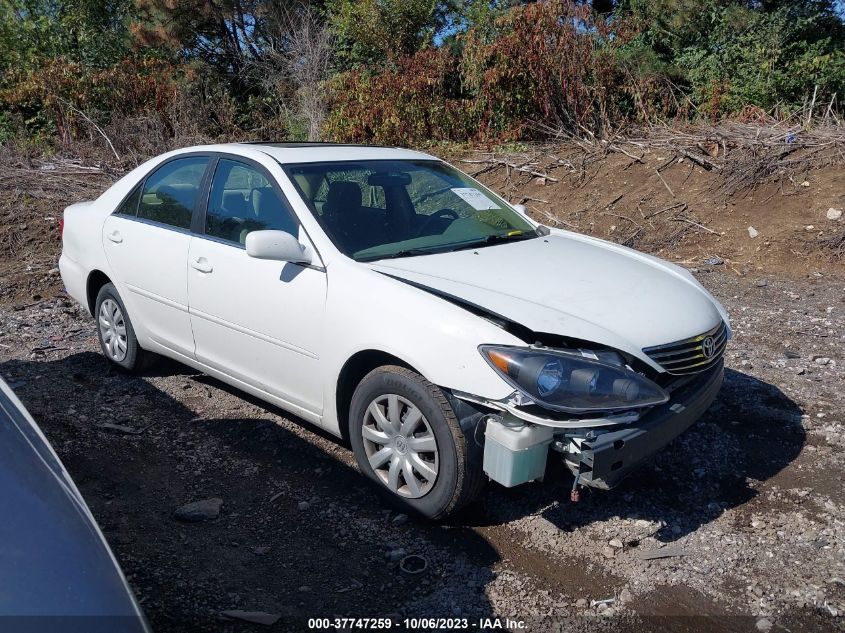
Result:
<point x="515" y="452"/>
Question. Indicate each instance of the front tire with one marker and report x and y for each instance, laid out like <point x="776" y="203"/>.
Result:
<point x="407" y="440"/>
<point x="116" y="334"/>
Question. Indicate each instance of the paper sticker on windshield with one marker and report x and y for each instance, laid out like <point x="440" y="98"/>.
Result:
<point x="475" y="198"/>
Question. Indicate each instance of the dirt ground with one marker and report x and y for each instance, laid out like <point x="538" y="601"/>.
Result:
<point x="748" y="506"/>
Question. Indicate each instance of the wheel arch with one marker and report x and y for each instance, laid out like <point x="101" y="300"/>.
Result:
<point x="96" y="280"/>
<point x="353" y="371"/>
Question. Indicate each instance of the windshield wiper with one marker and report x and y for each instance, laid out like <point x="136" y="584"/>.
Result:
<point x="408" y="252"/>
<point x="496" y="238"/>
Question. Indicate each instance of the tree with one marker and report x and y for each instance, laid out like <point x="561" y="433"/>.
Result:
<point x="226" y="34"/>
<point x="92" y="32"/>
<point x="297" y="59"/>
<point x="372" y="32"/>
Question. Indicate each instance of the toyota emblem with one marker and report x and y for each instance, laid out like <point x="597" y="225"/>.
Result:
<point x="708" y="347"/>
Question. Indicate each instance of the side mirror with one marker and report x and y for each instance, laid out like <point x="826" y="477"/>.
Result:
<point x="278" y="246"/>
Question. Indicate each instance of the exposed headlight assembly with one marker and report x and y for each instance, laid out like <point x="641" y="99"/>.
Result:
<point x="571" y="382"/>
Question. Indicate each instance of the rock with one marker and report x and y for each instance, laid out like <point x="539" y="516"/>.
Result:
<point x="615" y="543"/>
<point x="581" y="603"/>
<point x="260" y="550"/>
<point x="205" y="510"/>
<point x="303" y="505"/>
<point x="764" y="625"/>
<point x="399" y="519"/>
<point x="304" y="589"/>
<point x="822" y="360"/>
<point x="752" y="232"/>
<point x="834" y="214"/>
<point x="625" y="596"/>
<point x="805" y="183"/>
<point x="608" y="552"/>
<point x="761" y="283"/>
<point x="396" y="555"/>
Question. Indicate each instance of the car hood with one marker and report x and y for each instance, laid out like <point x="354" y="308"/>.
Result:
<point x="571" y="285"/>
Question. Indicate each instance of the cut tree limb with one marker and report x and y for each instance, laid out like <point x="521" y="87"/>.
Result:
<point x="508" y="165"/>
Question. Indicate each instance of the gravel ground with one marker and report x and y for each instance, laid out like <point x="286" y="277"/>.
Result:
<point x="747" y="508"/>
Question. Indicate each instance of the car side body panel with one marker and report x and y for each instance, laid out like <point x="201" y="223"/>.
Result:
<point x="150" y="266"/>
<point x="54" y="560"/>
<point x="433" y="336"/>
<point x="261" y="321"/>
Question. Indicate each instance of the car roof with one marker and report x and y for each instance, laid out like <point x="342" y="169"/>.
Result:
<point x="302" y="152"/>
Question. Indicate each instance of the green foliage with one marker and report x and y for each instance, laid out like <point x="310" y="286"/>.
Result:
<point x="92" y="32"/>
<point x="764" y="60"/>
<point x="553" y="63"/>
<point x="729" y="54"/>
<point x="372" y="32"/>
<point x="409" y="71"/>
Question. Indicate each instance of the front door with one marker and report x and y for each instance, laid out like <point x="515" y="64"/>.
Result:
<point x="258" y="321"/>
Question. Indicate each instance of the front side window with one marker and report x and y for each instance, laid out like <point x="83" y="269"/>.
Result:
<point x="243" y="200"/>
<point x="171" y="191"/>
<point x="396" y="208"/>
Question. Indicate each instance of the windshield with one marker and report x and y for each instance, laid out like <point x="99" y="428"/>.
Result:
<point x="398" y="208"/>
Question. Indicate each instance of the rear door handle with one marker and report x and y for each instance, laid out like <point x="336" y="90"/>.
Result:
<point x="202" y="264"/>
<point x="115" y="237"/>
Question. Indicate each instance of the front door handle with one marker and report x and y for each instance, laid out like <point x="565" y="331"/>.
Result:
<point x="202" y="264"/>
<point x="115" y="237"/>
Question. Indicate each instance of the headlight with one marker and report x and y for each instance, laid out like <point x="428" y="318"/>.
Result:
<point x="571" y="382"/>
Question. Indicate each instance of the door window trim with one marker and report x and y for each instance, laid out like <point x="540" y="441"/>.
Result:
<point x="198" y="227"/>
<point x="201" y="194"/>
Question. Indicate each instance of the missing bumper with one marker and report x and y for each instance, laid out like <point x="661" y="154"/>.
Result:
<point x="602" y="459"/>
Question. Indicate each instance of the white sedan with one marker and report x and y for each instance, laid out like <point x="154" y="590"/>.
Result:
<point x="396" y="302"/>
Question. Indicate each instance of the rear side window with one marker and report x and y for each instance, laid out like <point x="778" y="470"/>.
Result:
<point x="130" y="205"/>
<point x="243" y="200"/>
<point x="171" y="191"/>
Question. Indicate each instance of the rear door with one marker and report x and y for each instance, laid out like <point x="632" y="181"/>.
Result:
<point x="258" y="321"/>
<point x="146" y="241"/>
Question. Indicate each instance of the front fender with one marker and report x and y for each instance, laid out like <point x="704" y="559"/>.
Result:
<point x="367" y="310"/>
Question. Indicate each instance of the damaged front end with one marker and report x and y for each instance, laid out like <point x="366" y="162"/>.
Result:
<point x="600" y="449"/>
<point x="602" y="457"/>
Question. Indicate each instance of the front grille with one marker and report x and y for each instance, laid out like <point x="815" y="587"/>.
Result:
<point x="688" y="356"/>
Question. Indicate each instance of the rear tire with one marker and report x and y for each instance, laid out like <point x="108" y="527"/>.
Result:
<point x="407" y="440"/>
<point x="116" y="334"/>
